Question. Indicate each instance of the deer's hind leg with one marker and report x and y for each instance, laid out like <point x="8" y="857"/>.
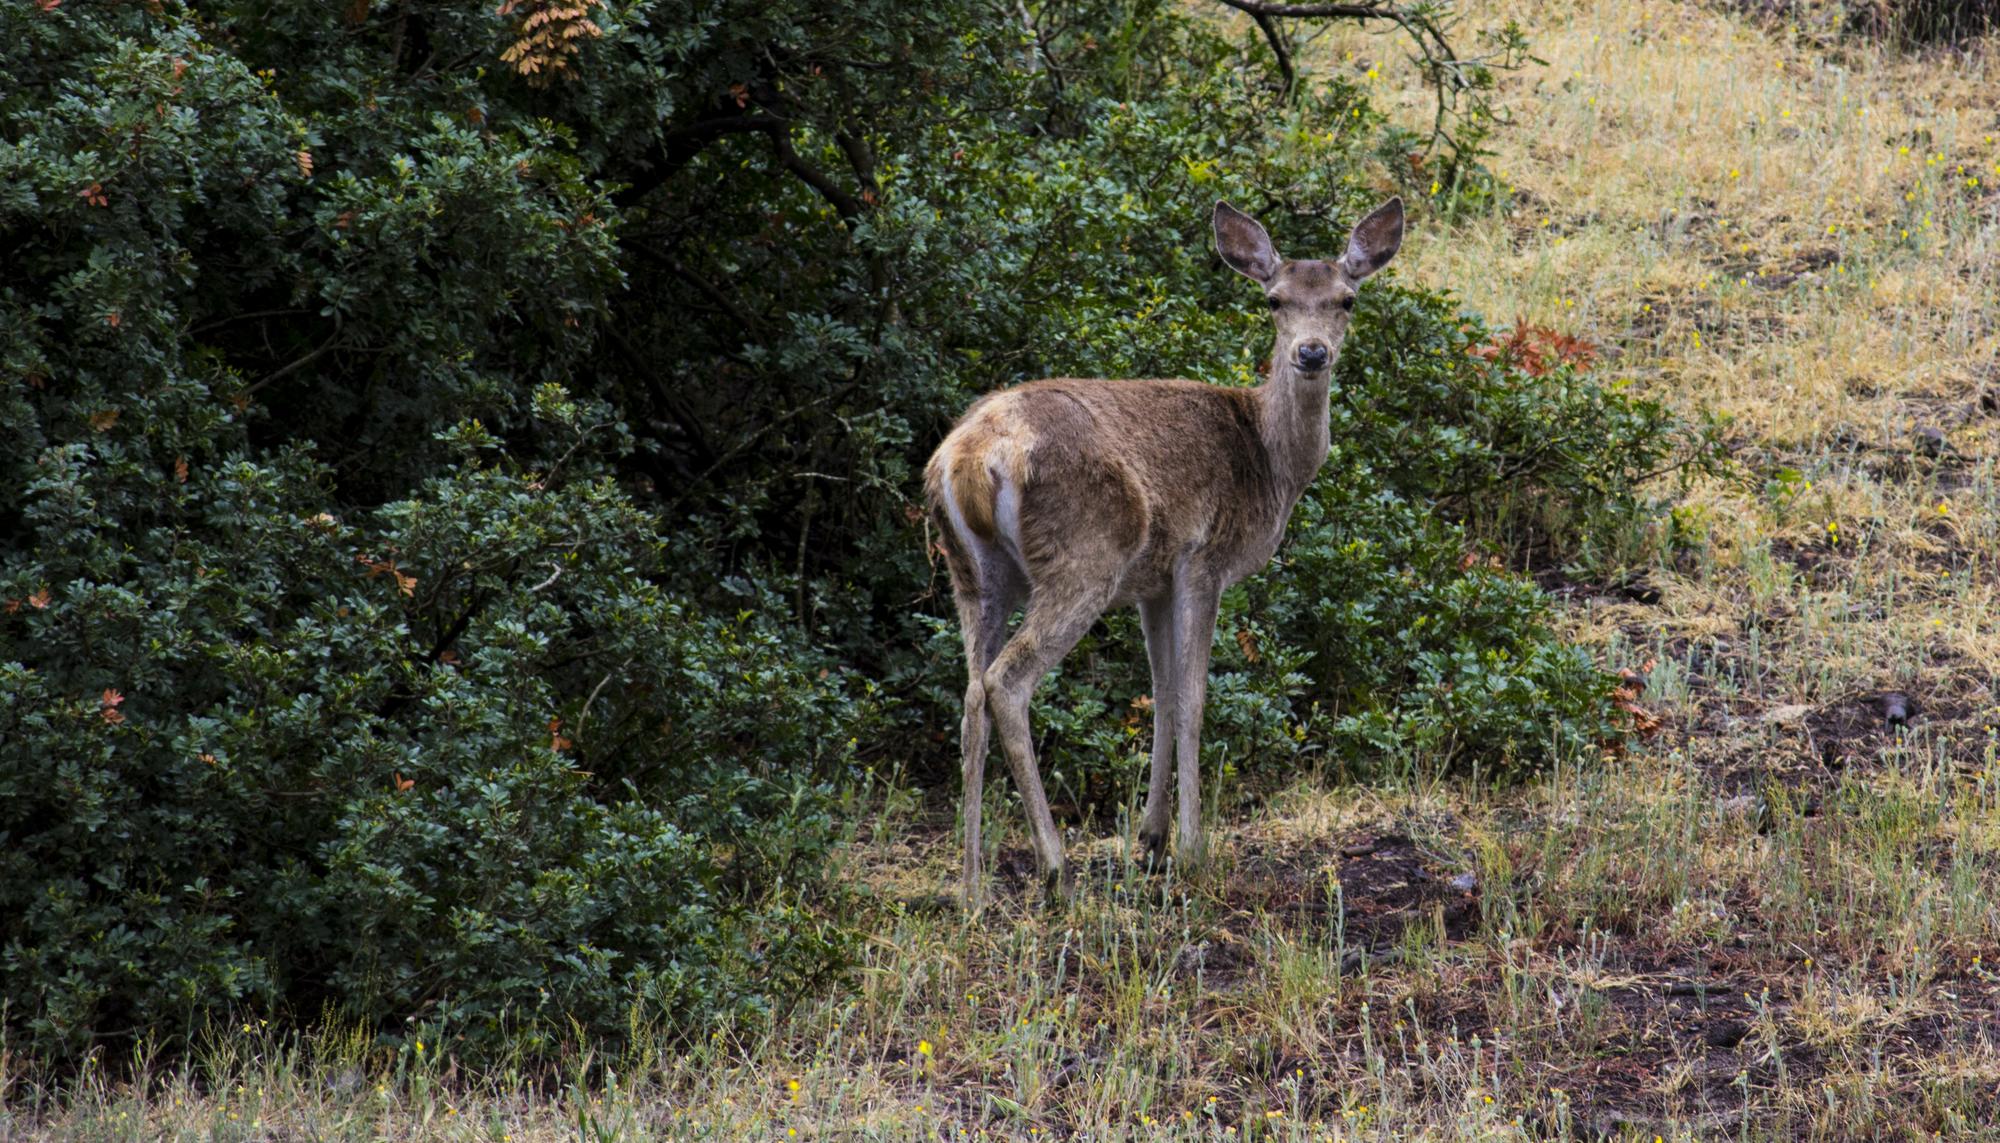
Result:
<point x="1156" y="618"/>
<point x="987" y="587"/>
<point x="1058" y="616"/>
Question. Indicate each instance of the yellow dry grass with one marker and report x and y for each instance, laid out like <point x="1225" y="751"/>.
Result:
<point x="1795" y="230"/>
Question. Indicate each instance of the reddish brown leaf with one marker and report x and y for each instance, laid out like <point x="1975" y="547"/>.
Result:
<point x="405" y="582"/>
<point x="103" y="419"/>
<point x="39" y="599"/>
<point x="181" y="470"/>
<point x="1535" y="350"/>
<point x="1644" y="721"/>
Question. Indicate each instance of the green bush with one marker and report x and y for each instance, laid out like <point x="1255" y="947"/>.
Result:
<point x="312" y="691"/>
<point x="464" y="758"/>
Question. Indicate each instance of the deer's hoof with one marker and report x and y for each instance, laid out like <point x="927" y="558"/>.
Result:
<point x="1191" y="853"/>
<point x="1059" y="884"/>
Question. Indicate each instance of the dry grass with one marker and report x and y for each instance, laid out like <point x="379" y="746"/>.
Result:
<point x="1775" y="921"/>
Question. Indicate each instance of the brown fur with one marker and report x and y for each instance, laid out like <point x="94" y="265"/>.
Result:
<point x="1077" y="495"/>
<point x="1192" y="468"/>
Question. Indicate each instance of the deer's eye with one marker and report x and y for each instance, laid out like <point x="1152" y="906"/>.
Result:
<point x="1273" y="302"/>
<point x="1347" y="303"/>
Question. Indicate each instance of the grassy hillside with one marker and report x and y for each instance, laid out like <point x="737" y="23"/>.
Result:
<point x="1779" y="917"/>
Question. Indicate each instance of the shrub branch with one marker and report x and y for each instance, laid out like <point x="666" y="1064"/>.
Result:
<point x="1458" y="83"/>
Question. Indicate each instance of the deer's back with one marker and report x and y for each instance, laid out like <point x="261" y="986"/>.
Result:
<point x="1121" y="477"/>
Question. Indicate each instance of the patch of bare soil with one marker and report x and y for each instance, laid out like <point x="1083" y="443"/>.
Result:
<point x="1692" y="1033"/>
<point x="1367" y="889"/>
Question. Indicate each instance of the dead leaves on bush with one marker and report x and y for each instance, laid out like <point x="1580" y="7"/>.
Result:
<point x="548" y="36"/>
<point x="405" y="582"/>
<point x="1625" y="696"/>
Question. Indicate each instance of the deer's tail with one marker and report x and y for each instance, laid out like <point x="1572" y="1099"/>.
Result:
<point x="969" y="475"/>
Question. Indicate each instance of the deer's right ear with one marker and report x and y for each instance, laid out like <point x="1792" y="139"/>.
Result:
<point x="1243" y="244"/>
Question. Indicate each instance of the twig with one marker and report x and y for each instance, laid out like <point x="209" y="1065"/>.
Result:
<point x="549" y="582"/>
<point x="583" y="715"/>
<point x="758" y="436"/>
<point x="1318" y="11"/>
<point x="1276" y="39"/>
<point x="1448" y="74"/>
<point x="232" y="319"/>
<point x="295" y="366"/>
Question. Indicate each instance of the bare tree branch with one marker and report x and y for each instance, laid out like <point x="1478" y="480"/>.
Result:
<point x="1317" y="11"/>
<point x="1276" y="39"/>
<point x="680" y="145"/>
<point x="1449" y="75"/>
<point x="846" y="205"/>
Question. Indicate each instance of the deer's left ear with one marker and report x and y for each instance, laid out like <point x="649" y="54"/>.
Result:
<point x="1375" y="240"/>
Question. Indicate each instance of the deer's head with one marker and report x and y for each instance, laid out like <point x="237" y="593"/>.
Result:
<point x="1311" y="301"/>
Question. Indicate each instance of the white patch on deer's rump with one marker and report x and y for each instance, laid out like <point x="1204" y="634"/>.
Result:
<point x="948" y="490"/>
<point x="1007" y="513"/>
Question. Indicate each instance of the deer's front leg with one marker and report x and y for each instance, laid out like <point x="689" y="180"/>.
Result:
<point x="1195" y="605"/>
<point x="1156" y="618"/>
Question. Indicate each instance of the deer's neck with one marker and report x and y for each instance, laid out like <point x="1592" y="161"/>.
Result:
<point x="1293" y="410"/>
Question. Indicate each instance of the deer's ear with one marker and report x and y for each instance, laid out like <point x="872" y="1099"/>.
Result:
<point x="1375" y="240"/>
<point x="1243" y="244"/>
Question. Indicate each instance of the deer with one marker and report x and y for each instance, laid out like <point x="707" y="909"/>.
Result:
<point x="1072" y="496"/>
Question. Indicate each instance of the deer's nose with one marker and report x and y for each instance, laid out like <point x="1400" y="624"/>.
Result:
<point x="1312" y="354"/>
